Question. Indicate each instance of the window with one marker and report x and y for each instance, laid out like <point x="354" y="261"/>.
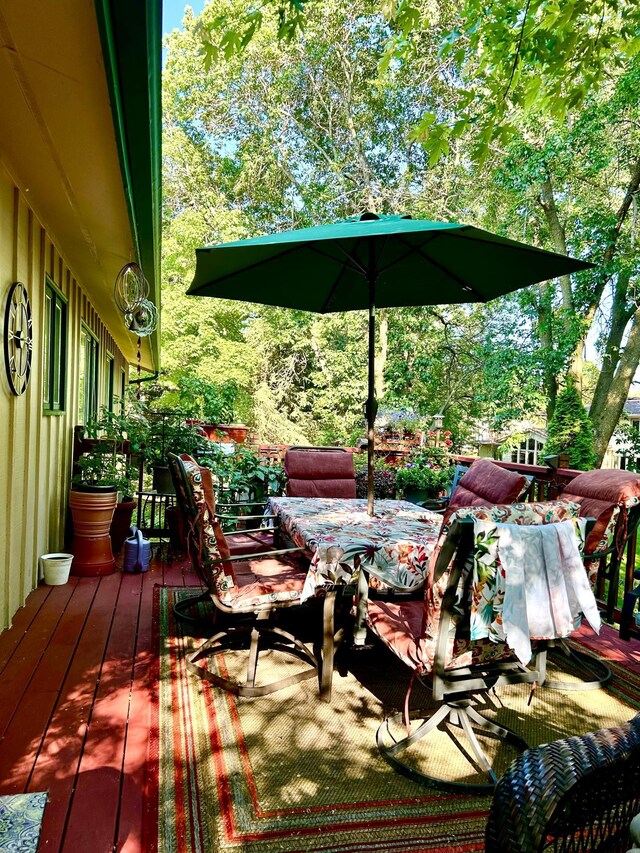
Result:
<point x="123" y="388"/>
<point x="54" y="349"/>
<point x="110" y="381"/>
<point x="527" y="452"/>
<point x="88" y="386"/>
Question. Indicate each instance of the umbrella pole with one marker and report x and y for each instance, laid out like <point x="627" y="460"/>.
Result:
<point x="371" y="400"/>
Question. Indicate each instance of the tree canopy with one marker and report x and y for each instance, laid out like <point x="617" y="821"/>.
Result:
<point x="521" y="118"/>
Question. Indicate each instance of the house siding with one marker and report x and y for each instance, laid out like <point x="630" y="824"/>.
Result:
<point x="35" y="470"/>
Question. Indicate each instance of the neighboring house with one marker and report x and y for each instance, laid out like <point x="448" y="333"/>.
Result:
<point x="521" y="442"/>
<point x="79" y="197"/>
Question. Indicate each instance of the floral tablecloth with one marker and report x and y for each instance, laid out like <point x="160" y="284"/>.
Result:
<point x="395" y="545"/>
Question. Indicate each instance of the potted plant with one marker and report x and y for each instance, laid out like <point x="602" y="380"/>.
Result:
<point x="244" y="477"/>
<point x="168" y="432"/>
<point x="426" y="476"/>
<point x="101" y="497"/>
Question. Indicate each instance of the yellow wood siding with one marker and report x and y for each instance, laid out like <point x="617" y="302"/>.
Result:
<point x="35" y="461"/>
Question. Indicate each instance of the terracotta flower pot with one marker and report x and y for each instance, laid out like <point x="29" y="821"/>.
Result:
<point x="121" y="524"/>
<point x="92" y="514"/>
<point x="237" y="432"/>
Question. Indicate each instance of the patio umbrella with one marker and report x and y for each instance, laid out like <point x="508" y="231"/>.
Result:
<point x="370" y="262"/>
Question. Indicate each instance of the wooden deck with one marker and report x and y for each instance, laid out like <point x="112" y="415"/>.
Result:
<point x="76" y="699"/>
<point x="75" y="706"/>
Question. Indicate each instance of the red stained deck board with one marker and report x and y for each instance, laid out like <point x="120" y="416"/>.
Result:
<point x="129" y="838"/>
<point x="10" y="639"/>
<point x="59" y="758"/>
<point x="100" y="768"/>
<point x="21" y="743"/>
<point x="19" y="670"/>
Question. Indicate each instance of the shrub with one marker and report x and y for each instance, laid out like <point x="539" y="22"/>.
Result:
<point x="570" y="430"/>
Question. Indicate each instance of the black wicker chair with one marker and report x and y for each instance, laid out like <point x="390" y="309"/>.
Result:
<point x="575" y="795"/>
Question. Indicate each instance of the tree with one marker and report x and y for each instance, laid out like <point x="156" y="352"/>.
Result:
<point x="286" y="135"/>
<point x="570" y="430"/>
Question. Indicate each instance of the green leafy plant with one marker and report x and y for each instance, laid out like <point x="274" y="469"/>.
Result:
<point x="428" y="468"/>
<point x="384" y="478"/>
<point x="107" y="462"/>
<point x="570" y="430"/>
<point x="169" y="432"/>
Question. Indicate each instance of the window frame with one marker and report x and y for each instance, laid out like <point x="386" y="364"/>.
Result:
<point x="88" y="405"/>
<point x="55" y="348"/>
<point x="110" y="381"/>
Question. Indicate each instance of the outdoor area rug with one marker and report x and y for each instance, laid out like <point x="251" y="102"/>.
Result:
<point x="20" y="822"/>
<point x="289" y="773"/>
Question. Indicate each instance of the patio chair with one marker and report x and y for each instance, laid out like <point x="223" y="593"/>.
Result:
<point x="433" y="638"/>
<point x="612" y="497"/>
<point x="577" y="793"/>
<point x="319" y="472"/>
<point x="483" y="483"/>
<point x="257" y="586"/>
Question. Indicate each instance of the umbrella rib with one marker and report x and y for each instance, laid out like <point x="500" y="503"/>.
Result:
<point x="334" y="289"/>
<point x="356" y="266"/>
<point x="463" y="284"/>
<point x="406" y="255"/>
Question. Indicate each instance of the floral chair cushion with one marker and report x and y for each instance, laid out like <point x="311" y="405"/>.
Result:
<point x="546" y="512"/>
<point x="399" y="627"/>
<point x="410" y="629"/>
<point x="253" y="584"/>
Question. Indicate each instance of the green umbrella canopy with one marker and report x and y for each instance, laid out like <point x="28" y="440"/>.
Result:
<point x="329" y="268"/>
<point x="373" y="261"/>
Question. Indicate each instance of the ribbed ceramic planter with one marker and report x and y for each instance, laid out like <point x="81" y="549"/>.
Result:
<point x="92" y="514"/>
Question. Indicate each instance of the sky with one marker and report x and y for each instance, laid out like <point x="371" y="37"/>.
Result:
<point x="173" y="12"/>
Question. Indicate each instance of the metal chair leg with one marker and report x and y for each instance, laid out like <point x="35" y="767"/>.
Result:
<point x="460" y="713"/>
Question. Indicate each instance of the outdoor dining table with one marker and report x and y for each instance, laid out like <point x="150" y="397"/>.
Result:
<point x="394" y="547"/>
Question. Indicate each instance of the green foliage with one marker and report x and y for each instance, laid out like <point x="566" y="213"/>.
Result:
<point x="429" y="469"/>
<point x="243" y="475"/>
<point x="384" y="477"/>
<point x="106" y="463"/>
<point x="570" y="430"/>
<point x="627" y="443"/>
<point x="211" y="402"/>
<point x="391" y="107"/>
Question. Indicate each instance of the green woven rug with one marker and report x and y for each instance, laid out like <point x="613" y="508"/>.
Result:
<point x="20" y="822"/>
<point x="289" y="773"/>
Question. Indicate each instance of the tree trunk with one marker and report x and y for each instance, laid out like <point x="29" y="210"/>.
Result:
<point x="606" y="418"/>
<point x="544" y="310"/>
<point x="382" y="317"/>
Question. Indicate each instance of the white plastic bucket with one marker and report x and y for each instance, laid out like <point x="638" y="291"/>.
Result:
<point x="56" y="568"/>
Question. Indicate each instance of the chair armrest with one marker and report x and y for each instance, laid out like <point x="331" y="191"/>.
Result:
<point x="243" y="557"/>
<point x="227" y="517"/>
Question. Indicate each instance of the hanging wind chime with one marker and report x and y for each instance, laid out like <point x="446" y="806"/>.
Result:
<point x="130" y="294"/>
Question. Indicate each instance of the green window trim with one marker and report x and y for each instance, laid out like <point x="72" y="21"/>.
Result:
<point x="110" y="377"/>
<point x="88" y="378"/>
<point x="54" y="383"/>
